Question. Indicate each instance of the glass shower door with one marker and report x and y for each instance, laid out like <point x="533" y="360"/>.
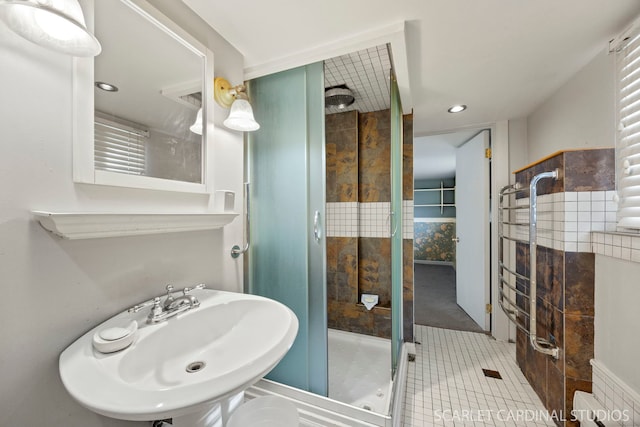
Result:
<point x="286" y="259"/>
<point x="396" y="225"/>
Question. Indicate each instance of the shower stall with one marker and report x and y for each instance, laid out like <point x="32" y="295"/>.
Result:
<point x="294" y="250"/>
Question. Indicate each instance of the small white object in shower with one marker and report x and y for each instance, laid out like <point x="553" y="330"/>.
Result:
<point x="224" y="201"/>
<point x="369" y="300"/>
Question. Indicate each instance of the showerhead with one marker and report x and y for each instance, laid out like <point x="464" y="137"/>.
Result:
<point x="338" y="96"/>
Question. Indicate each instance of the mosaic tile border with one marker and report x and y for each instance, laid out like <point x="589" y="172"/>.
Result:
<point x="353" y="219"/>
<point x="566" y="220"/>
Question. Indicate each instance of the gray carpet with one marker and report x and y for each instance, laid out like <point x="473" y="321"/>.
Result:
<point x="435" y="299"/>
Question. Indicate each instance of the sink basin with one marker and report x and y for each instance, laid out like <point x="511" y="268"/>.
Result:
<point x="183" y="365"/>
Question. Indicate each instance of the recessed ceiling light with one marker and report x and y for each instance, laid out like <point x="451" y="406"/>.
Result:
<point x="108" y="87"/>
<point x="457" y="108"/>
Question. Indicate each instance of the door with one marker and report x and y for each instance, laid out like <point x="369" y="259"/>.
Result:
<point x="396" y="225"/>
<point x="286" y="259"/>
<point x="472" y="228"/>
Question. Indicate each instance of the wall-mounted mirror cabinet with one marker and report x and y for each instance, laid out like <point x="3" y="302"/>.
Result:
<point x="140" y="135"/>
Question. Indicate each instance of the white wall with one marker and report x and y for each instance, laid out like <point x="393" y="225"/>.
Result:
<point x="518" y="155"/>
<point x="579" y="115"/>
<point x="54" y="290"/>
<point x="617" y="317"/>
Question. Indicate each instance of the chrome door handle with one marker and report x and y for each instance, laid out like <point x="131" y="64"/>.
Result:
<point x="393" y="224"/>
<point x="317" y="232"/>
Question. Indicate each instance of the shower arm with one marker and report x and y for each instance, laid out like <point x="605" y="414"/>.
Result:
<point x="236" y="250"/>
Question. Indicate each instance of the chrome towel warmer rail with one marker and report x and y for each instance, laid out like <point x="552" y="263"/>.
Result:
<point x="508" y="275"/>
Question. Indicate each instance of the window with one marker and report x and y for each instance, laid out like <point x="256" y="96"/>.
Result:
<point x="627" y="48"/>
<point x="118" y="147"/>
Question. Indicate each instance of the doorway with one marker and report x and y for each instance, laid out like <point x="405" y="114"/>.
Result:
<point x="451" y="230"/>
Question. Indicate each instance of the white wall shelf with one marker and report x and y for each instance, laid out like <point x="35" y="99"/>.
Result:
<point x="92" y="225"/>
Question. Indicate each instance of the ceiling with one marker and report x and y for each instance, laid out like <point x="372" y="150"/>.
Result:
<point x="366" y="73"/>
<point x="501" y="58"/>
<point x="434" y="156"/>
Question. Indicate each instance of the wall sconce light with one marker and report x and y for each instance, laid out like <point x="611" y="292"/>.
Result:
<point x="196" y="127"/>
<point x="235" y="97"/>
<point x="54" y="24"/>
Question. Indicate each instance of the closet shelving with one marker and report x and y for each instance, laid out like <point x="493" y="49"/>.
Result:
<point x="441" y="193"/>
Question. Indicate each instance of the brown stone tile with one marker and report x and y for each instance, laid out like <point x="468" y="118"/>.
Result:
<point x="556" y="337"/>
<point x="556" y="296"/>
<point x="407" y="157"/>
<point x="374" y="163"/>
<point x="579" y="283"/>
<point x="341" y="134"/>
<point x="521" y="350"/>
<point x="522" y="259"/>
<point x="571" y="387"/>
<point x="407" y="128"/>
<point x="331" y="176"/>
<point x="356" y="318"/>
<point x="537" y="370"/>
<point x="522" y="285"/>
<point x="407" y="290"/>
<point x="381" y="322"/>
<point x="374" y="268"/>
<point x="545" y="186"/>
<point x="349" y="317"/>
<point x="590" y="170"/>
<point x="342" y="269"/>
<point x="346" y="120"/>
<point x="578" y="348"/>
<point x="331" y="267"/>
<point x="544" y="318"/>
<point x="554" y="399"/>
<point x="544" y="273"/>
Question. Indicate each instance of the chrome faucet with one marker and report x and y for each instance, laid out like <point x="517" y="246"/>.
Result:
<point x="161" y="311"/>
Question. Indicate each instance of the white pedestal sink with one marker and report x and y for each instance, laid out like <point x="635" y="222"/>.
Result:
<point x="193" y="368"/>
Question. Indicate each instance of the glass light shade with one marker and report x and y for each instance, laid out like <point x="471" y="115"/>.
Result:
<point x="196" y="127"/>
<point x="55" y="24"/>
<point x="241" y="117"/>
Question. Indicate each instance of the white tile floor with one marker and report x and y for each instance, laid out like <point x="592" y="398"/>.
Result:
<point x="446" y="385"/>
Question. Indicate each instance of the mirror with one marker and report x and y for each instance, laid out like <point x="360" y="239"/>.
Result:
<point x="139" y="136"/>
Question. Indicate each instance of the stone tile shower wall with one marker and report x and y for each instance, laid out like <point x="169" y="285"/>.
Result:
<point x="568" y="210"/>
<point x="358" y="240"/>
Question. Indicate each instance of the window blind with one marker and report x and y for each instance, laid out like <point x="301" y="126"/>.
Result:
<point x="118" y="147"/>
<point x="628" y="135"/>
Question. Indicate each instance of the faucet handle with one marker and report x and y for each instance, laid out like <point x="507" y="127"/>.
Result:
<point x="169" y="298"/>
<point x="157" y="307"/>
<point x="156" y="311"/>
<point x="186" y="290"/>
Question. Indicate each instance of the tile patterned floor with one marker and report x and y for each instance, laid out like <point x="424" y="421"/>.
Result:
<point x="447" y="387"/>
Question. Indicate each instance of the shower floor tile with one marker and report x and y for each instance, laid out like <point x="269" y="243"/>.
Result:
<point x="360" y="370"/>
<point x="446" y="385"/>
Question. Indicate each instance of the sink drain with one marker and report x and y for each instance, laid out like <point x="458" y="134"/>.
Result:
<point x="195" y="367"/>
